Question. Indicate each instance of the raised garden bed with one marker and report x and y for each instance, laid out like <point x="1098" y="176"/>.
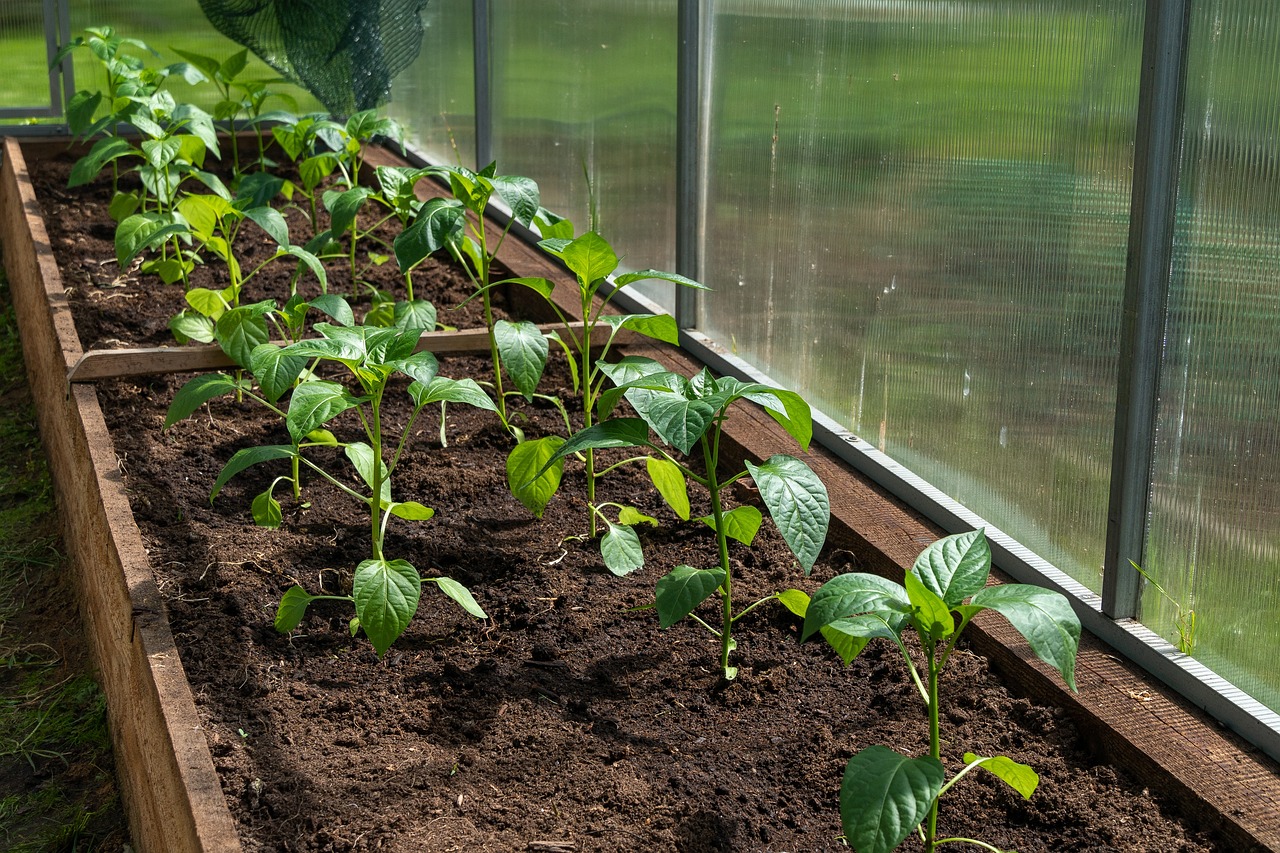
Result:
<point x="565" y="722"/>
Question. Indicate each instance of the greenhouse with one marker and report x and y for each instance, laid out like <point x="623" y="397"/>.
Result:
<point x="564" y="425"/>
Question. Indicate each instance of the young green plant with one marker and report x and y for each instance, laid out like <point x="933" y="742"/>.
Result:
<point x="385" y="591"/>
<point x="688" y="414"/>
<point x="885" y="795"/>
<point x="1185" y="619"/>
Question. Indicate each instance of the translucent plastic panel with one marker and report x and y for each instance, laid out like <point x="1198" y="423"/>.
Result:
<point x="166" y="25"/>
<point x="434" y="99"/>
<point x="1215" y="522"/>
<point x="584" y="102"/>
<point x="22" y="40"/>
<point x="917" y="217"/>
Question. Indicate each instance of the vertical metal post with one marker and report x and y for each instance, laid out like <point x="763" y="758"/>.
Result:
<point x="1146" y="297"/>
<point x="57" y="32"/>
<point x="483" y="82"/>
<point x="688" y="153"/>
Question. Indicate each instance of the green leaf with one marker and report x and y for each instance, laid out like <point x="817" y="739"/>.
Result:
<point x="208" y="302"/>
<point x="418" y="314"/>
<point x="335" y="307"/>
<point x="270" y="220"/>
<point x="631" y="516"/>
<point x="520" y="194"/>
<point x="256" y="190"/>
<point x="1044" y="617"/>
<point x="239" y="331"/>
<point x="631" y="368"/>
<point x="460" y="594"/>
<point x="541" y="286"/>
<point x="439" y="223"/>
<point x="142" y="231"/>
<point x="590" y="257"/>
<point x="850" y="595"/>
<point x="80" y="110"/>
<point x="411" y="511"/>
<point x="103" y="152"/>
<point x="678" y="420"/>
<point x="885" y="796"/>
<point x="670" y="482"/>
<point x="266" y="511"/>
<point x="189" y="326"/>
<point x="247" y="457"/>
<point x="386" y="594"/>
<point x="931" y="612"/>
<point x="620" y="548"/>
<point x="361" y="456"/>
<point x="534" y="472"/>
<point x="275" y="371"/>
<point x="1019" y="777"/>
<point x="643" y="275"/>
<point x="160" y="152"/>
<point x="122" y="205"/>
<point x="523" y="351"/>
<point x="441" y="389"/>
<point x="421" y="367"/>
<point x="204" y="213"/>
<point x="343" y="207"/>
<point x="660" y="326"/>
<point x="315" y="403"/>
<point x="618" y="432"/>
<point x="789" y="409"/>
<point x="955" y="567"/>
<point x="196" y="393"/>
<point x="798" y="502"/>
<point x="677" y="594"/>
<point x="740" y="523"/>
<point x="293" y="606"/>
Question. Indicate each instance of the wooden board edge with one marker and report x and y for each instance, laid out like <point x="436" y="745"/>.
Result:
<point x="164" y="767"/>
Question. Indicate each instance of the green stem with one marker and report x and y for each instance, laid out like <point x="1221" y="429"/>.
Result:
<point x="297" y="481"/>
<point x="935" y="742"/>
<point x="375" y="503"/>
<point x="710" y="454"/>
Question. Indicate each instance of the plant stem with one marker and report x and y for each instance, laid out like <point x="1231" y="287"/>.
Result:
<point x="726" y="587"/>
<point x="375" y="504"/>
<point x="935" y="741"/>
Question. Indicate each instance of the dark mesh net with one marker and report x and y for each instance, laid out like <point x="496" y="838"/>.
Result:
<point x="345" y="52"/>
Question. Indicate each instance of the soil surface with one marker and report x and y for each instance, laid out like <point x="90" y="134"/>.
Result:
<point x="567" y="720"/>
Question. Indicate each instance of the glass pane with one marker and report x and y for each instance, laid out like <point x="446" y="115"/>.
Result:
<point x="584" y="103"/>
<point x="434" y="99"/>
<point x="917" y="216"/>
<point x="1214" y="540"/>
<point x="22" y="39"/>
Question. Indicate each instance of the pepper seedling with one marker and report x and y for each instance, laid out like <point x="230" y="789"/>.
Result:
<point x="885" y="795"/>
<point x="688" y="413"/>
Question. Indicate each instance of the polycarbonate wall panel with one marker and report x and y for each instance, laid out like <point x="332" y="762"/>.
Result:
<point x="584" y="95"/>
<point x="1214" y="537"/>
<point x="22" y="39"/>
<point x="163" y="26"/>
<point x="917" y="216"/>
<point x="434" y="99"/>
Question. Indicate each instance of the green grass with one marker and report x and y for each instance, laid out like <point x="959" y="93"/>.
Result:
<point x="57" y="792"/>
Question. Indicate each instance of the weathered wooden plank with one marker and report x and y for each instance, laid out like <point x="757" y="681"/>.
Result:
<point x="150" y="361"/>
<point x="168" y="784"/>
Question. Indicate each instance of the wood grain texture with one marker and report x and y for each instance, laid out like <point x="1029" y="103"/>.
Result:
<point x="168" y="784"/>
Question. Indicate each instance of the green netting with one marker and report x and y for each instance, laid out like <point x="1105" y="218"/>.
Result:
<point x="345" y="52"/>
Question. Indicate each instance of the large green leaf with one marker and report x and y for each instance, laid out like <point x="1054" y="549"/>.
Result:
<point x="266" y="511"/>
<point x="315" y="403"/>
<point x="420" y="367"/>
<point x="334" y="306"/>
<point x="631" y="368"/>
<point x="270" y="220"/>
<point x="239" y="331"/>
<point x="444" y="390"/>
<point x="410" y="511"/>
<point x="955" y="567"/>
<point x="196" y="393"/>
<point x="204" y="213"/>
<point x="103" y="152"/>
<point x="885" y="795"/>
<point x="534" y="472"/>
<point x="190" y="326"/>
<point x="931" y="612"/>
<point x="386" y="594"/>
<point x="618" y="432"/>
<point x="160" y="152"/>
<point x="142" y="231"/>
<point x="275" y="371"/>
<point x="343" y="206"/>
<point x="850" y="595"/>
<point x="740" y="523"/>
<point x="847" y="644"/>
<point x="520" y="194"/>
<point x="250" y="456"/>
<point x="523" y="351"/>
<point x="415" y="314"/>
<point x="680" y="421"/>
<point x="440" y="222"/>
<point x="789" y="409"/>
<point x="678" y="593"/>
<point x="590" y="257"/>
<point x="1019" y="777"/>
<point x="461" y="595"/>
<point x="670" y="482"/>
<point x="798" y="502"/>
<point x="659" y="326"/>
<point x="1044" y="617"/>
<point x="620" y="548"/>
<point x="643" y="275"/>
<point x="208" y="302"/>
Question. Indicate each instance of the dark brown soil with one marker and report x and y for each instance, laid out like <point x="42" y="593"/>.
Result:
<point x="567" y="720"/>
